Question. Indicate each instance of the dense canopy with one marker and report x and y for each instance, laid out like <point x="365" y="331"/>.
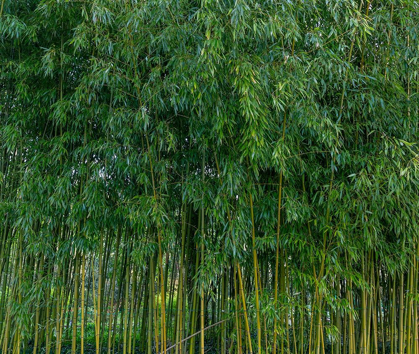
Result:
<point x="181" y="176"/>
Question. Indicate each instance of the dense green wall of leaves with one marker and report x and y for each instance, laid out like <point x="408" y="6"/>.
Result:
<point x="253" y="162"/>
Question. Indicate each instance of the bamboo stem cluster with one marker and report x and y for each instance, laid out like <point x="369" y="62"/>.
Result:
<point x="209" y="177"/>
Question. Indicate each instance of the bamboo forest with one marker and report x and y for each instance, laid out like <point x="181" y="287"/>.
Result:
<point x="209" y="176"/>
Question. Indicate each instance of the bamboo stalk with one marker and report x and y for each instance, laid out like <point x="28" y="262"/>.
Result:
<point x="255" y="265"/>
<point x="203" y="262"/>
<point x="82" y="304"/>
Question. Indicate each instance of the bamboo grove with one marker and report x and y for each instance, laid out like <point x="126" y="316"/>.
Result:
<point x="213" y="176"/>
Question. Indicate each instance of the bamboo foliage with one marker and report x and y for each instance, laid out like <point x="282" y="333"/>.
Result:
<point x="209" y="177"/>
